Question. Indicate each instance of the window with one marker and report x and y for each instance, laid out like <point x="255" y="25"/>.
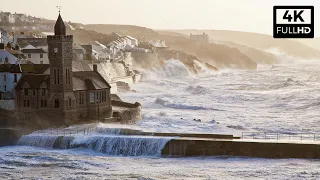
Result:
<point x="29" y="55"/>
<point x="5" y="88"/>
<point x="43" y="103"/>
<point x="97" y="97"/>
<point x="70" y="102"/>
<point x="91" y="98"/>
<point x="67" y="76"/>
<point x="56" y="103"/>
<point x="15" y="78"/>
<point x="81" y="97"/>
<point x="56" y="75"/>
<point x="43" y="91"/>
<point x="103" y="96"/>
<point x="26" y="103"/>
<point x="41" y="55"/>
<point x="70" y="76"/>
<point x="4" y="77"/>
<point x="34" y="92"/>
<point x="26" y="93"/>
<point x="41" y="62"/>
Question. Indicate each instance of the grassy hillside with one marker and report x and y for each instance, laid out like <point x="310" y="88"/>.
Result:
<point x="314" y="43"/>
<point x="214" y="54"/>
<point x="259" y="41"/>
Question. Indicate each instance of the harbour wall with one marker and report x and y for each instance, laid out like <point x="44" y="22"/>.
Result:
<point x="182" y="147"/>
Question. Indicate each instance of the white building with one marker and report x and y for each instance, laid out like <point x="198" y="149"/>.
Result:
<point x="36" y="56"/>
<point x="19" y="18"/>
<point x="9" y="76"/>
<point x="7" y="17"/>
<point x="3" y="36"/>
<point x="133" y="41"/>
<point x="158" y="43"/>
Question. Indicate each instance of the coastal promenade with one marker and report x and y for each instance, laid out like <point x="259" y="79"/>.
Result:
<point x="190" y="145"/>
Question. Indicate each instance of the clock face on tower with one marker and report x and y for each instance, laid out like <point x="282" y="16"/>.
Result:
<point x="55" y="50"/>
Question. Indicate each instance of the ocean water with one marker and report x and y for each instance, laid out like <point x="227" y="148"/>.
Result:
<point x="282" y="98"/>
<point x="23" y="162"/>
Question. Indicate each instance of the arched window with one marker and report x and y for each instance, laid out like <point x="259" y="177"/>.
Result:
<point x="56" y="103"/>
<point x="69" y="102"/>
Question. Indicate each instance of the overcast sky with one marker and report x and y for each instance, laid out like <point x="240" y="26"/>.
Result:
<point x="240" y="15"/>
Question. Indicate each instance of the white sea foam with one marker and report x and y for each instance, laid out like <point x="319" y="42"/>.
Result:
<point x="171" y="68"/>
<point x="273" y="99"/>
<point x="107" y="144"/>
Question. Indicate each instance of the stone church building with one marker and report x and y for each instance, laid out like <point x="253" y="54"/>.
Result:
<point x="65" y="94"/>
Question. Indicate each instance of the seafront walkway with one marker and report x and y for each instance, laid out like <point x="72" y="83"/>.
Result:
<point x="249" y="144"/>
<point x="249" y="136"/>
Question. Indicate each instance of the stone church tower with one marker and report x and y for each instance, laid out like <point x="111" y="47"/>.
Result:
<point x="60" y="59"/>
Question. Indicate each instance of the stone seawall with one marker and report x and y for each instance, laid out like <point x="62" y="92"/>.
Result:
<point x="206" y="147"/>
<point x="9" y="136"/>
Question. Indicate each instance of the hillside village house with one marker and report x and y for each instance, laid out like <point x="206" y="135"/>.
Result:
<point x="203" y="38"/>
<point x="39" y="43"/>
<point x="35" y="55"/>
<point x="3" y="36"/>
<point x="7" y="17"/>
<point x="10" y="74"/>
<point x="19" y="18"/>
<point x="158" y="43"/>
<point x="63" y="93"/>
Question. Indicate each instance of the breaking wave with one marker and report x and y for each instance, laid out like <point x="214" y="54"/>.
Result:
<point x="168" y="104"/>
<point x="198" y="90"/>
<point x="170" y="68"/>
<point x="110" y="145"/>
<point x="287" y="83"/>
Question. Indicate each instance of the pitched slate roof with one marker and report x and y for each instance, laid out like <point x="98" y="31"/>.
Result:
<point x="59" y="27"/>
<point x="11" y="68"/>
<point x="36" y="42"/>
<point x="34" y="68"/>
<point x="30" y="51"/>
<point x="34" y="81"/>
<point x="89" y="80"/>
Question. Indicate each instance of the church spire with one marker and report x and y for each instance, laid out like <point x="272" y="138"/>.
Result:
<point x="59" y="27"/>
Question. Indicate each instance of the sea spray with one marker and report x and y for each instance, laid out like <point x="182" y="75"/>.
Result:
<point x="123" y="145"/>
<point x="170" y="68"/>
<point x="107" y="144"/>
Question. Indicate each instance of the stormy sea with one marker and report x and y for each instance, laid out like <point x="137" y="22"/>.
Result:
<point x="281" y="98"/>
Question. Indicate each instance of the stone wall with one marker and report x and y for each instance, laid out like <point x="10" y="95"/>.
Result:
<point x="9" y="136"/>
<point x="7" y="104"/>
<point x="50" y="118"/>
<point x="183" y="147"/>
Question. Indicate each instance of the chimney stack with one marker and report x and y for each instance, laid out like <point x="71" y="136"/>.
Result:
<point x="95" y="68"/>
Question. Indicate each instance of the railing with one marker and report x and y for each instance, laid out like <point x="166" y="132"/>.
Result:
<point x="281" y="136"/>
<point x="66" y="132"/>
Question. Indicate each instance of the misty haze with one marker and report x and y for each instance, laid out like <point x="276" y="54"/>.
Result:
<point x="156" y="90"/>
